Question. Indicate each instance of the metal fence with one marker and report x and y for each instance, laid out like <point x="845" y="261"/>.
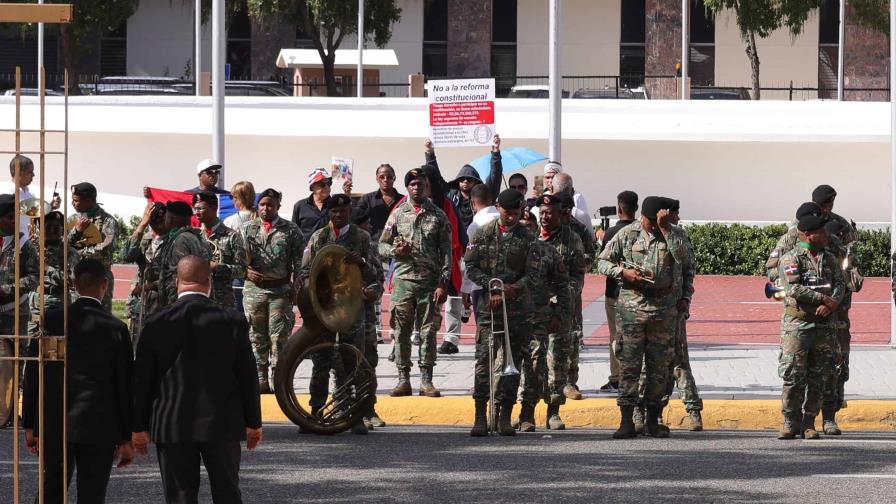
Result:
<point x="791" y="92"/>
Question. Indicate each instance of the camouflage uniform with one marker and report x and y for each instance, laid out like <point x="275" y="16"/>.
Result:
<point x="371" y="337"/>
<point x="577" y="331"/>
<point x="680" y="369"/>
<point x="229" y="253"/>
<point x="512" y="257"/>
<point x="834" y="389"/>
<point x="28" y="278"/>
<point x="178" y="244"/>
<point x="353" y="239"/>
<point x="646" y="315"/>
<point x="143" y="251"/>
<point x="790" y="239"/>
<point x="277" y="255"/>
<point x="416" y="277"/>
<point x="808" y="343"/>
<point x="54" y="282"/>
<point x="108" y="228"/>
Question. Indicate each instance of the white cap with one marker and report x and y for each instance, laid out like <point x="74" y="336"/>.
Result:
<point x="552" y="167"/>
<point x="205" y="164"/>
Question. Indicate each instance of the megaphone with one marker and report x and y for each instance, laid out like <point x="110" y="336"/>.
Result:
<point x="773" y="291"/>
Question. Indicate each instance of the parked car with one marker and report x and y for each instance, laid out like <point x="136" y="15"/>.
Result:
<point x="611" y="94"/>
<point x="244" y="88"/>
<point x="532" y="91"/>
<point x="720" y="94"/>
<point x="32" y="92"/>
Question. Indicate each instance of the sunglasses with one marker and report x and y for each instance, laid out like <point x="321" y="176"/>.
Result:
<point x="212" y="172"/>
<point x="518" y="187"/>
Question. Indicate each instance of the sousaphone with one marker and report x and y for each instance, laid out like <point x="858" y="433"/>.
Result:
<point x="330" y="303"/>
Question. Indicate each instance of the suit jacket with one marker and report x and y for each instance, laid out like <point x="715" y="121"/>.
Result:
<point x="100" y="377"/>
<point x="195" y="376"/>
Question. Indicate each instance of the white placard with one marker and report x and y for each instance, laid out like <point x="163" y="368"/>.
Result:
<point x="461" y="112"/>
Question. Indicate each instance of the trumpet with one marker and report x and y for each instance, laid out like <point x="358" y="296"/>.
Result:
<point x="646" y="274"/>
<point x="496" y="286"/>
<point x="774" y="290"/>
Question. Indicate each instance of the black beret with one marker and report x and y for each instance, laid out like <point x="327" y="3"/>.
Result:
<point x="270" y="193"/>
<point x="548" y="199"/>
<point x="510" y="199"/>
<point x="565" y="200"/>
<point x="7" y="204"/>
<point x="338" y="200"/>
<point x="673" y="204"/>
<point x="835" y="227"/>
<point x="84" y="189"/>
<point x="206" y="197"/>
<point x="808" y="208"/>
<point x="811" y="222"/>
<point x="179" y="208"/>
<point x="416" y="173"/>
<point x="55" y="215"/>
<point x="823" y="194"/>
<point x="651" y="205"/>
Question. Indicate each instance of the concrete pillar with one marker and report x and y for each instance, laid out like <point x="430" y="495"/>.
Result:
<point x="415" y="86"/>
<point x="662" y="48"/>
<point x="469" y="38"/>
<point x="866" y="56"/>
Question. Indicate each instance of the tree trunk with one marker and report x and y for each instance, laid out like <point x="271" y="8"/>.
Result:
<point x="754" y="63"/>
<point x="329" y="62"/>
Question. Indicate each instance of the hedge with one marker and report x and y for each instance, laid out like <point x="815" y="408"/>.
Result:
<point x="738" y="249"/>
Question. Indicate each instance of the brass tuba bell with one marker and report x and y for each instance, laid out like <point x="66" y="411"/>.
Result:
<point x="33" y="208"/>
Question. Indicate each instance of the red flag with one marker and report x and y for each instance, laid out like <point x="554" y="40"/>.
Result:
<point x="164" y="196"/>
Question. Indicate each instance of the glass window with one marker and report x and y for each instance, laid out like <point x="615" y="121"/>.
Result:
<point x="504" y="21"/>
<point x="631" y="65"/>
<point x="703" y="25"/>
<point x="702" y="65"/>
<point x="435" y="59"/>
<point x="633" y="21"/>
<point x="435" y="20"/>
<point x="113" y="51"/>
<point x="829" y="22"/>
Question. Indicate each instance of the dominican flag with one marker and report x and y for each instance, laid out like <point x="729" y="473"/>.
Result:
<point x="225" y="201"/>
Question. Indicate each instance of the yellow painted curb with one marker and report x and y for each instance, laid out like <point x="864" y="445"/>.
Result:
<point x="604" y="414"/>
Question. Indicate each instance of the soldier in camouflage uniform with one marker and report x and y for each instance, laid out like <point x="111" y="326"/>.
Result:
<point x="373" y="293"/>
<point x="275" y="248"/>
<point x="228" y="247"/>
<point x="28" y="271"/>
<point x="834" y="387"/>
<point x="646" y="257"/>
<point x="54" y="272"/>
<point x="180" y="241"/>
<point x="87" y="219"/>
<point x="586" y="237"/>
<point x="356" y="242"/>
<point x="141" y="249"/>
<point x="814" y="287"/>
<point x="501" y="249"/>
<point x="418" y="237"/>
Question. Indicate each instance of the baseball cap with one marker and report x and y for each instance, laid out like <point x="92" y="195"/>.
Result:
<point x="207" y="164"/>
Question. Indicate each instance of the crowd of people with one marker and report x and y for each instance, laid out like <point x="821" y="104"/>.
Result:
<point x="443" y="250"/>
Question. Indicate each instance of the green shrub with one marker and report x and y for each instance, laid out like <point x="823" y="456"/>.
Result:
<point x="124" y="231"/>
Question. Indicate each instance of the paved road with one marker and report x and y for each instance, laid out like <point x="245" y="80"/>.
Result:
<point x="446" y="465"/>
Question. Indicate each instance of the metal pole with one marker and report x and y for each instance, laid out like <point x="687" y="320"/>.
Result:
<point x="841" y="42"/>
<point x="360" y="49"/>
<point x="40" y="52"/>
<point x="219" y="40"/>
<point x="554" y="81"/>
<point x="197" y="37"/>
<point x="892" y="155"/>
<point x="685" y="46"/>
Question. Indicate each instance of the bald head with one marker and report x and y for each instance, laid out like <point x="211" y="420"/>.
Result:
<point x="193" y="275"/>
<point x="562" y="183"/>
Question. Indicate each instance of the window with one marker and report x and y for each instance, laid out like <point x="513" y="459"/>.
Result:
<point x="503" y="67"/>
<point x="631" y="44"/>
<point x="114" y="51"/>
<point x="435" y="38"/>
<point x="303" y="38"/>
<point x="239" y="43"/>
<point x="702" y="60"/>
<point x="828" y="45"/>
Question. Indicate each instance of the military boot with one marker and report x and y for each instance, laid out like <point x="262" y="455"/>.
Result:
<point x="626" y="425"/>
<point x="527" y="418"/>
<point x="375" y="419"/>
<point x="638" y="420"/>
<point x="426" y="387"/>
<point x="403" y="388"/>
<point x="264" y="386"/>
<point x="652" y="426"/>
<point x="830" y="422"/>
<point x="696" y="420"/>
<point x="809" y="431"/>
<point x="480" y="422"/>
<point x="504" y="427"/>
<point x="554" y="421"/>
<point x="359" y="429"/>
<point x="788" y="430"/>
<point x="572" y="392"/>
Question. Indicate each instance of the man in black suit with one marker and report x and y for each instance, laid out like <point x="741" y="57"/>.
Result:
<point x="196" y="390"/>
<point x="100" y="374"/>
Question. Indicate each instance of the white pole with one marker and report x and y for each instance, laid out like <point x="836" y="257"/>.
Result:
<point x="219" y="40"/>
<point x="841" y="42"/>
<point x="554" y="81"/>
<point x="197" y="37"/>
<point x="360" y="84"/>
<point x="892" y="154"/>
<point x="685" y="47"/>
<point x="40" y="52"/>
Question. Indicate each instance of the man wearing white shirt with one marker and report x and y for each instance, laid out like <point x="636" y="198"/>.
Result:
<point x="485" y="212"/>
<point x="556" y="181"/>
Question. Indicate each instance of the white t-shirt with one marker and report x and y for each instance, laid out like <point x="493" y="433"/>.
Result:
<point x="24" y="222"/>
<point x="481" y="218"/>
<point x="236" y="221"/>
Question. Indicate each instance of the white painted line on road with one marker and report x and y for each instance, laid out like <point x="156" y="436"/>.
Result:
<point x="863" y="476"/>
<point x="778" y="302"/>
<point x="849" y="441"/>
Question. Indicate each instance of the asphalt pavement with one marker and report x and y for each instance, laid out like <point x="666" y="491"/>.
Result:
<point x="422" y="464"/>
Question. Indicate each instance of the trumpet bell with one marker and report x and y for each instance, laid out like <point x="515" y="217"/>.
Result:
<point x="33" y="208"/>
<point x="773" y="291"/>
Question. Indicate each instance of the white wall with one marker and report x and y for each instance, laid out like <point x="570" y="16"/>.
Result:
<point x="590" y="37"/>
<point x="782" y="57"/>
<point x="160" y="39"/>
